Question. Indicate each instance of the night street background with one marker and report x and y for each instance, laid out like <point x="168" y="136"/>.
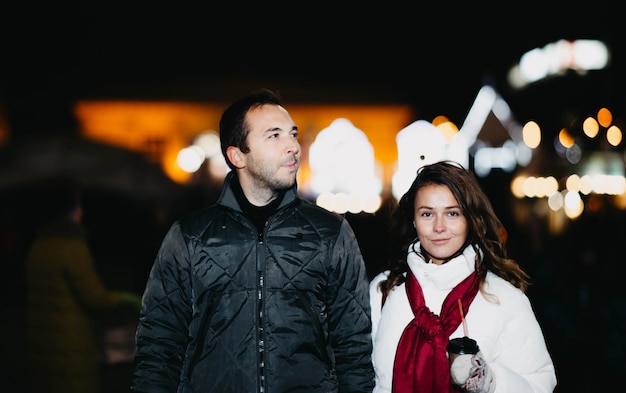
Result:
<point x="432" y="57"/>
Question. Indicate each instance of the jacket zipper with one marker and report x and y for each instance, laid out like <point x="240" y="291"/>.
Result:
<point x="260" y="267"/>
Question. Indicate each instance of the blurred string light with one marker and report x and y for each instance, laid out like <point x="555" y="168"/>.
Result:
<point x="504" y="151"/>
<point x="190" y="158"/>
<point x="556" y="59"/>
<point x="599" y="172"/>
<point x="531" y="134"/>
<point x="205" y="147"/>
<point x="493" y="144"/>
<point x="343" y="168"/>
<point x="420" y="143"/>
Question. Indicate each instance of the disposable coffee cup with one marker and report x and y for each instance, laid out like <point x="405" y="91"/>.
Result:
<point x="461" y="346"/>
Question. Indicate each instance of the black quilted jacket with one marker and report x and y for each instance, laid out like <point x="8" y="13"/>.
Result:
<point x="229" y="310"/>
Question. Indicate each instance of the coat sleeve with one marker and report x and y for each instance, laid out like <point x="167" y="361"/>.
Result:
<point x="161" y="335"/>
<point x="349" y="315"/>
<point x="84" y="279"/>
<point x="523" y="363"/>
<point x="376" y="301"/>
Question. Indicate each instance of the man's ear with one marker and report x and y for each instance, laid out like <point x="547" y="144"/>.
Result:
<point x="235" y="156"/>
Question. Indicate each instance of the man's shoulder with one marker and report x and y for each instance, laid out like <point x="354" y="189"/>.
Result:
<point x="199" y="217"/>
<point x="316" y="211"/>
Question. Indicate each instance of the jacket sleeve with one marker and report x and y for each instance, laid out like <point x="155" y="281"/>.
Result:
<point x="349" y="315"/>
<point x="376" y="300"/>
<point x="84" y="279"/>
<point x="161" y="335"/>
<point x="523" y="363"/>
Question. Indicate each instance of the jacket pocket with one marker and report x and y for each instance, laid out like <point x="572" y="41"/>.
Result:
<point x="321" y="344"/>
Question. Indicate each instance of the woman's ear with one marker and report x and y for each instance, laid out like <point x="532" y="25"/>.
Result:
<point x="236" y="157"/>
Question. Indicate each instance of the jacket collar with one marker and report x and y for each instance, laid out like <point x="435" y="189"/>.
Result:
<point x="445" y="276"/>
<point x="228" y="199"/>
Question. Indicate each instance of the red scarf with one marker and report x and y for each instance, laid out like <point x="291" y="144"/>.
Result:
<point x="421" y="363"/>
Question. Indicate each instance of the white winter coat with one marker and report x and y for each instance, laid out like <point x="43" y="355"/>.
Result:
<point x="506" y="329"/>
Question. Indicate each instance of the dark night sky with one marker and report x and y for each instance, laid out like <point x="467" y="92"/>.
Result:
<point x="52" y="56"/>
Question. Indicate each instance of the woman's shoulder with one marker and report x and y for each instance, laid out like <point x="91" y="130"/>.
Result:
<point x="382" y="276"/>
<point x="502" y="288"/>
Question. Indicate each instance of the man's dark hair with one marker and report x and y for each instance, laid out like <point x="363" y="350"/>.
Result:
<point x="233" y="130"/>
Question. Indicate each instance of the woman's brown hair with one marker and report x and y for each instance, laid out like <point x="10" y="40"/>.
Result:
<point x="485" y="231"/>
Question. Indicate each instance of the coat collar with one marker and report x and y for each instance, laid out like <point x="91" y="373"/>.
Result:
<point x="228" y="199"/>
<point x="445" y="276"/>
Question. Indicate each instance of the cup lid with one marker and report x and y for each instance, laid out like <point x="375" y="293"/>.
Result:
<point x="463" y="346"/>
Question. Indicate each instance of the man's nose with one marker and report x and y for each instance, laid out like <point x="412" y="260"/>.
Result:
<point x="293" y="147"/>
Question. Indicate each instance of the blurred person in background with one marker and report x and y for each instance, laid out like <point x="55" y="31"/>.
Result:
<point x="63" y="298"/>
<point x="449" y="276"/>
<point x="262" y="291"/>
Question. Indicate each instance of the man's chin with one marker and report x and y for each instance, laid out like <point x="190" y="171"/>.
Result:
<point x="285" y="182"/>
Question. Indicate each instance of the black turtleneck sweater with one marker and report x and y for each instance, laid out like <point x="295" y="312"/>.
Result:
<point x="257" y="214"/>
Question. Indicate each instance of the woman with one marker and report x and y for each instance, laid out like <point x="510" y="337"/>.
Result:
<point x="65" y="294"/>
<point x="452" y="280"/>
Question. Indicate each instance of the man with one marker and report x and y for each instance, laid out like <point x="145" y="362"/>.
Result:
<point x="262" y="291"/>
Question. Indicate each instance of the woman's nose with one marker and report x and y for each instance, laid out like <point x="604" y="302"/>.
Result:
<point x="439" y="224"/>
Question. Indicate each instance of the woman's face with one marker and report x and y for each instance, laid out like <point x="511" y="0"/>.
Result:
<point x="440" y="224"/>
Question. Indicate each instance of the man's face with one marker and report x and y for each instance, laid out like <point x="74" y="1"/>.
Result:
<point x="274" y="157"/>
